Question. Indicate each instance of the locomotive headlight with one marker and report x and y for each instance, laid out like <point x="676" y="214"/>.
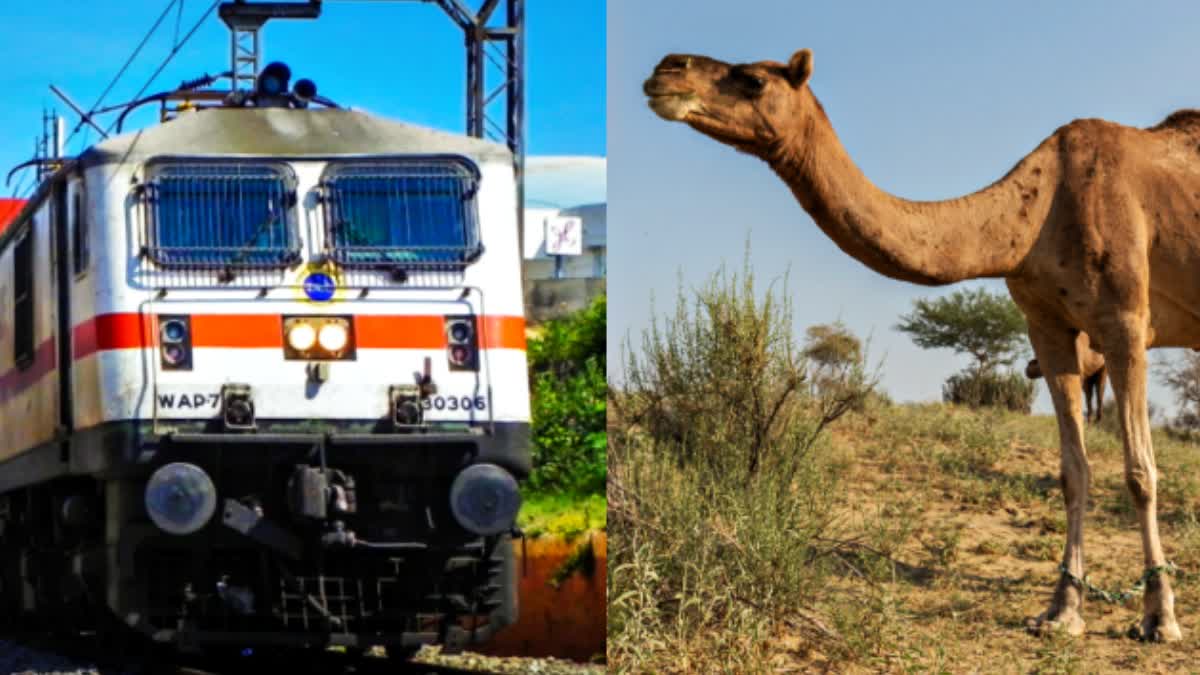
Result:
<point x="180" y="498"/>
<point x="274" y="78"/>
<point x="484" y="499"/>
<point x="333" y="337"/>
<point x="302" y="336"/>
<point x="305" y="89"/>
<point x="318" y="338"/>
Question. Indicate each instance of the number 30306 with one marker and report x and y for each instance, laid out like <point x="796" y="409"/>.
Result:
<point x="456" y="403"/>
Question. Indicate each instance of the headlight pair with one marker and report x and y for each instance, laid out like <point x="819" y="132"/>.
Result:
<point x="318" y="338"/>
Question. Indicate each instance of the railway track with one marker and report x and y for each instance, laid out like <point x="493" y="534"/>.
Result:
<point x="30" y="653"/>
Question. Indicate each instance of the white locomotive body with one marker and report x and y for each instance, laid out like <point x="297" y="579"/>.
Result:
<point x="262" y="373"/>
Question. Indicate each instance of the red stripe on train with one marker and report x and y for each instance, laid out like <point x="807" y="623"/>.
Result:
<point x="17" y="380"/>
<point x="135" y="331"/>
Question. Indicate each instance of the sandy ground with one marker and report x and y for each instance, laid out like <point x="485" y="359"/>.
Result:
<point x="977" y="568"/>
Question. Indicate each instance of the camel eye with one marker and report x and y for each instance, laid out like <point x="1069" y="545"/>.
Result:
<point x="751" y="84"/>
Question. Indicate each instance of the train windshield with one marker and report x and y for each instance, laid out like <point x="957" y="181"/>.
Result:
<point x="222" y="216"/>
<point x="403" y="214"/>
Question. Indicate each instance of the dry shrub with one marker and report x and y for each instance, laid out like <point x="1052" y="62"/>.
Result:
<point x="722" y="384"/>
<point x="724" y="518"/>
<point x="977" y="389"/>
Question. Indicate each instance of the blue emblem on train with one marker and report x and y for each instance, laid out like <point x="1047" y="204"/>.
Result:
<point x="319" y="287"/>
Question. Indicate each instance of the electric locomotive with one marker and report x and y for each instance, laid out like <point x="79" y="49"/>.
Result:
<point x="263" y="380"/>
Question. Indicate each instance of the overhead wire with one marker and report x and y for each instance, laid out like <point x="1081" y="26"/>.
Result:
<point x="128" y="62"/>
<point x="178" y="19"/>
<point x="174" y="50"/>
<point x="19" y="186"/>
<point x="27" y="190"/>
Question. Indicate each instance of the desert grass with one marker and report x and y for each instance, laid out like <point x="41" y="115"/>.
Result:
<point x="759" y="523"/>
<point x="940" y="531"/>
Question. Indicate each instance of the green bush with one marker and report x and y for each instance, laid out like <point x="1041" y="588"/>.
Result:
<point x="565" y="345"/>
<point x="567" y="365"/>
<point x="977" y="389"/>
<point x="725" y="384"/>
<point x="698" y="562"/>
<point x="724" y="501"/>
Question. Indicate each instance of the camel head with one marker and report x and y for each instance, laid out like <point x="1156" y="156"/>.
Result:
<point x="743" y="105"/>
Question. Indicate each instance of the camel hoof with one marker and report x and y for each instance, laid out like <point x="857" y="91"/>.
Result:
<point x="1065" y="621"/>
<point x="1155" y="629"/>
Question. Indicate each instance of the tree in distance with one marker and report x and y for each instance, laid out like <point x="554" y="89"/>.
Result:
<point x="987" y="326"/>
<point x="832" y="350"/>
<point x="1182" y="377"/>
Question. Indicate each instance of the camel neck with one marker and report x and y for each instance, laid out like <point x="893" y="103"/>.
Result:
<point x="983" y="234"/>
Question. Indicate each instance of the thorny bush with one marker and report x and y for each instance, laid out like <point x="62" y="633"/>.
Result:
<point x="723" y="500"/>
<point x="723" y="383"/>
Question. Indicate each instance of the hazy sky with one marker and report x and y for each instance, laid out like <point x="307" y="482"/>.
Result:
<point x="931" y="99"/>
<point x="400" y="59"/>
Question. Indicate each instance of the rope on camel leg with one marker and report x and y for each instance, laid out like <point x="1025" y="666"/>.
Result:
<point x="1118" y="597"/>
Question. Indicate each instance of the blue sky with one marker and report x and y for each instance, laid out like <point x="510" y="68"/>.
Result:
<point x="932" y="99"/>
<point x="400" y="59"/>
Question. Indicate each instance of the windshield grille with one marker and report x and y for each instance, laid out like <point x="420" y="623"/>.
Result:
<point x="221" y="216"/>
<point x="418" y="214"/>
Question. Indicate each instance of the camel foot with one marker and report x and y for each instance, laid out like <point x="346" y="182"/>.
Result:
<point x="1157" y="628"/>
<point x="1065" y="620"/>
<point x="1158" y="611"/>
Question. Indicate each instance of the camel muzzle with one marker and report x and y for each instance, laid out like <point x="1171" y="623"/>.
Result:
<point x="674" y="63"/>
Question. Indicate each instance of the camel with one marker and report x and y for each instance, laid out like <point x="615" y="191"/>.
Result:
<point x="1091" y="364"/>
<point x="1075" y="229"/>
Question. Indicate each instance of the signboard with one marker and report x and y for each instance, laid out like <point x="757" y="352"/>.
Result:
<point x="564" y="235"/>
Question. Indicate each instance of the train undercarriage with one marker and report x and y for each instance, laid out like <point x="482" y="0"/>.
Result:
<point x="315" y="540"/>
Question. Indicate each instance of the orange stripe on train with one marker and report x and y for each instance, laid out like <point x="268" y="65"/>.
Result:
<point x="134" y="331"/>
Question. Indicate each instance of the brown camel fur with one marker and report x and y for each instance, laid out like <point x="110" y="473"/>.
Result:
<point x="1092" y="372"/>
<point x="1096" y="230"/>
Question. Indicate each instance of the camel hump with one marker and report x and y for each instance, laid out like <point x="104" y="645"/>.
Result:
<point x="1187" y="119"/>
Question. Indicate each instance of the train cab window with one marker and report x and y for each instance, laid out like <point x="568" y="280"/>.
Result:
<point x="79" y="234"/>
<point x="221" y="215"/>
<point x="23" y="289"/>
<point x="402" y="213"/>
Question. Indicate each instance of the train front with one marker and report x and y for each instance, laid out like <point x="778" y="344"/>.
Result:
<point x="303" y="379"/>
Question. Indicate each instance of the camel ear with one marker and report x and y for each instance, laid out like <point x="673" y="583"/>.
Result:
<point x="800" y="67"/>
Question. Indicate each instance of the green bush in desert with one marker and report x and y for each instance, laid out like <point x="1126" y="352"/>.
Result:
<point x="723" y="499"/>
<point x="723" y="383"/>
<point x="975" y="389"/>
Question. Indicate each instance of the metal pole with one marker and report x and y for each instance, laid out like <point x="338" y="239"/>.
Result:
<point x="516" y="114"/>
<point x="60" y="135"/>
<point x="475" y="76"/>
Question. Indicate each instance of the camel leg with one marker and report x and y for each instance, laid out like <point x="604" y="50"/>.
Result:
<point x="1127" y="367"/>
<point x="1101" y="376"/>
<point x="1060" y="365"/>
